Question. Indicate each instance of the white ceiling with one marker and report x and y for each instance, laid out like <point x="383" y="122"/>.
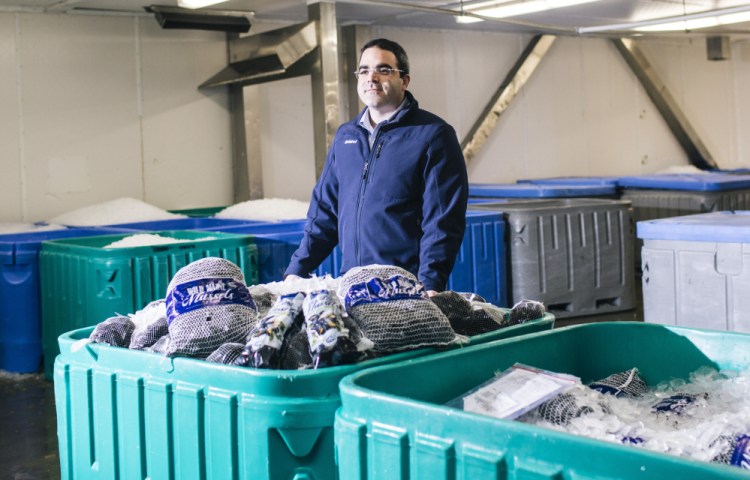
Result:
<point x="422" y="13"/>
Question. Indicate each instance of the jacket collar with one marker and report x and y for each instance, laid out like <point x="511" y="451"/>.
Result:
<point x="411" y="104"/>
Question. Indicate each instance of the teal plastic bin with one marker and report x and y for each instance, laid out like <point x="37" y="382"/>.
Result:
<point x="393" y="423"/>
<point x="83" y="283"/>
<point x="131" y="414"/>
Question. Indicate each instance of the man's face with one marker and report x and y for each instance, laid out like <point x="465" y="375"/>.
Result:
<point x="382" y="93"/>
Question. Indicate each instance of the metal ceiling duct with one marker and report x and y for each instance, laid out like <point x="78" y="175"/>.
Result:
<point x="273" y="55"/>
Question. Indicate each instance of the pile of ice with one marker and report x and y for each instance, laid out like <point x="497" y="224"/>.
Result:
<point x="266" y="209"/>
<point x="294" y="284"/>
<point x="121" y="210"/>
<point x="21" y="227"/>
<point x="148" y="239"/>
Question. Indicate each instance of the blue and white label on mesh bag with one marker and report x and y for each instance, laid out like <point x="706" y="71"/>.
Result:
<point x="378" y="290"/>
<point x="206" y="292"/>
<point x="741" y="453"/>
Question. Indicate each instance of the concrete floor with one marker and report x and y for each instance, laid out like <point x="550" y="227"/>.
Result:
<point x="28" y="430"/>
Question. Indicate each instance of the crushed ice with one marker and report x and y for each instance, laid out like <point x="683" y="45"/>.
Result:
<point x="7" y="228"/>
<point x="147" y="239"/>
<point x="705" y="417"/>
<point x="266" y="209"/>
<point x="113" y="212"/>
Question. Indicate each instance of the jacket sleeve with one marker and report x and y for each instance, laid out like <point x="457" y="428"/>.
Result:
<point x="321" y="228"/>
<point x="446" y="192"/>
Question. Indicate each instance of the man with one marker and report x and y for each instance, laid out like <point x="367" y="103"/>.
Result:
<point x="394" y="187"/>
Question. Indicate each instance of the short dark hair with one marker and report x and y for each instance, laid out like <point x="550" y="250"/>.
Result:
<point x="402" y="60"/>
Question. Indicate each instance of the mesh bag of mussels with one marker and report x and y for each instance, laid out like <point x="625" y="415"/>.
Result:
<point x="469" y="314"/>
<point x="390" y="308"/>
<point x="115" y="331"/>
<point x="208" y="305"/>
<point x="150" y="325"/>
<point x="583" y="400"/>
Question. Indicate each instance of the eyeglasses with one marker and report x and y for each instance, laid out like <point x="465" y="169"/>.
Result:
<point x="382" y="71"/>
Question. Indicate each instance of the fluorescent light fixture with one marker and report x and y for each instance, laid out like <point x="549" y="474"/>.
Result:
<point x="465" y="19"/>
<point x="499" y="9"/>
<point x="197" y="3"/>
<point x="691" y="21"/>
<point x="515" y="9"/>
<point x="697" y="23"/>
<point x="694" y="24"/>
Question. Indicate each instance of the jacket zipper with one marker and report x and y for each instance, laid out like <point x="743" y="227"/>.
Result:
<point x="360" y="201"/>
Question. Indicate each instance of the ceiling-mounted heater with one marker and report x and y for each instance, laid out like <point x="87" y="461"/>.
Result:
<point x="184" y="18"/>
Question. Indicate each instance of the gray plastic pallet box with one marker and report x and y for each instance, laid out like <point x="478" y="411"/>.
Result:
<point x="573" y="254"/>
<point x="672" y="195"/>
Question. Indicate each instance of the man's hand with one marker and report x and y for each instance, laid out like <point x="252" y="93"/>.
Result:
<point x="430" y="293"/>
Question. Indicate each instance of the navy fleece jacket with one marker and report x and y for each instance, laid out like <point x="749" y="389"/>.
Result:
<point x="401" y="202"/>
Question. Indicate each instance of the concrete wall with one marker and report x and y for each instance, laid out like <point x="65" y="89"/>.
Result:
<point x="95" y="108"/>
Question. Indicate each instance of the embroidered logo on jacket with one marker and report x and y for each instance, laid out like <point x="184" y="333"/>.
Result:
<point x="350" y="140"/>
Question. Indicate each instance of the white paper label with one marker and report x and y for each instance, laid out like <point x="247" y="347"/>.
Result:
<point x="515" y="392"/>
